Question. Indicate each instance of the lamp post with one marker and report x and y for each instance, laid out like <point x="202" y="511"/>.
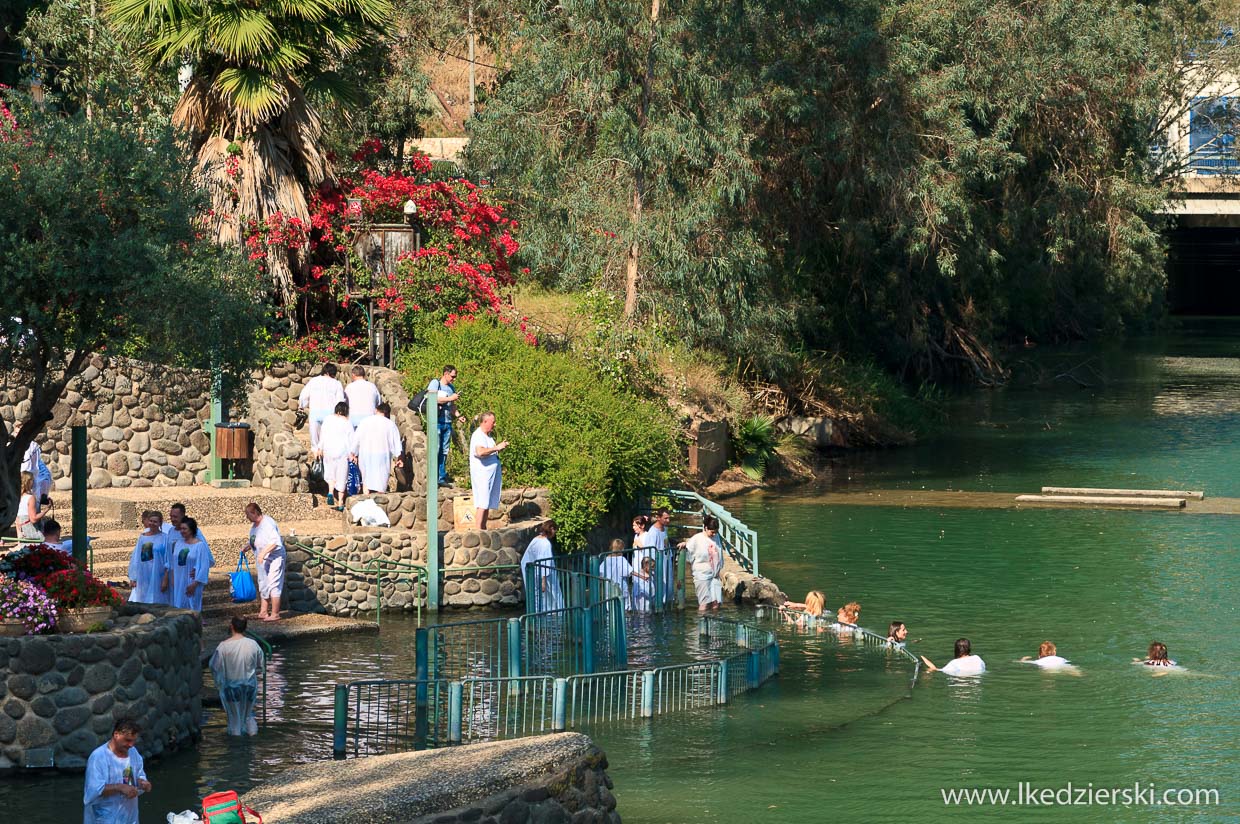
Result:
<point x="411" y="218"/>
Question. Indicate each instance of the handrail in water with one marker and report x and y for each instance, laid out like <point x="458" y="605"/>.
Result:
<point x="739" y="540"/>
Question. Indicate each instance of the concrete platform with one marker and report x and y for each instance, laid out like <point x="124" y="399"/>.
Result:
<point x="961" y="499"/>
<point x="290" y="627"/>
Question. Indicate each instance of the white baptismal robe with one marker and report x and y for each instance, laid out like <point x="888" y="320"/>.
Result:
<point x="186" y="563"/>
<point x="147" y="565"/>
<point x="484" y="473"/>
<point x="321" y="394"/>
<point x="547" y="595"/>
<point x="335" y="439"/>
<point x="376" y="444"/>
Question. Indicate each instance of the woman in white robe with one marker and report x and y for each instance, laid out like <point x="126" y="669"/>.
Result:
<point x="376" y="443"/>
<point x="189" y="567"/>
<point x="617" y="569"/>
<point x="335" y="441"/>
<point x="546" y="594"/>
<point x="702" y="553"/>
<point x="147" y="565"/>
<point x="484" y="469"/>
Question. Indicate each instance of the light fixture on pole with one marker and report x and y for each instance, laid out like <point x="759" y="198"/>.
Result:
<point x="411" y="218"/>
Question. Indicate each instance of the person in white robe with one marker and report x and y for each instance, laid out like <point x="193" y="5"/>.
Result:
<point x="362" y="396"/>
<point x="189" y="567"/>
<point x="376" y="444"/>
<point x="702" y="554"/>
<point x="965" y="663"/>
<point x="148" y="563"/>
<point x="546" y="594"/>
<point x="617" y="569"/>
<point x="235" y="665"/>
<point x="319" y="397"/>
<point x="115" y="777"/>
<point x="643" y="585"/>
<point x="484" y="468"/>
<point x="268" y="548"/>
<point x="716" y="584"/>
<point x="335" y="442"/>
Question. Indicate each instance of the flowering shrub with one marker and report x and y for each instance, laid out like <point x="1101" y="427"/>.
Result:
<point x="35" y="563"/>
<point x="25" y="602"/>
<point x="459" y="272"/>
<point x="77" y="588"/>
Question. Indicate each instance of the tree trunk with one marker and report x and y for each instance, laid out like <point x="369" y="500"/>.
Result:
<point x="632" y="274"/>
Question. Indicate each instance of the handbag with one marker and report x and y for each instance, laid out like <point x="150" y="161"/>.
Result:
<point x="354" y="484"/>
<point x="226" y="808"/>
<point x="240" y="582"/>
<point x="316" y="469"/>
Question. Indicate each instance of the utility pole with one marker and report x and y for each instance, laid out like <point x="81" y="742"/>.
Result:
<point x="471" y="58"/>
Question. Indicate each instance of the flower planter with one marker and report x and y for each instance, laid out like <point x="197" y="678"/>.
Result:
<point x="12" y="629"/>
<point x="81" y="619"/>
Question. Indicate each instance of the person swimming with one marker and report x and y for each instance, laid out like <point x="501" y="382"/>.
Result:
<point x="811" y="610"/>
<point x="846" y="617"/>
<point x="1156" y="656"/>
<point x="964" y="662"/>
<point x="896" y="633"/>
<point x="1048" y="657"/>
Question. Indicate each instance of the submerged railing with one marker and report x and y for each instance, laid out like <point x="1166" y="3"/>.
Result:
<point x="740" y="541"/>
<point x="560" y="666"/>
<point x="858" y="635"/>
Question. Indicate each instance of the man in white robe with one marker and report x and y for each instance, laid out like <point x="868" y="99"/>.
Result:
<point x="115" y="777"/>
<point x="320" y="396"/>
<point x="268" y="548"/>
<point x="362" y="395"/>
<point x="336" y="441"/>
<point x="376" y="444"/>
<point x="235" y="664"/>
<point x="484" y="469"/>
<point x="545" y="594"/>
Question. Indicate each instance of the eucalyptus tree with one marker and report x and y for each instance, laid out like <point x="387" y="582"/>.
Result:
<point x="259" y="71"/>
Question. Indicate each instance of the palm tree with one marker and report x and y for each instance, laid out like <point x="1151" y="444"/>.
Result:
<point x="258" y="68"/>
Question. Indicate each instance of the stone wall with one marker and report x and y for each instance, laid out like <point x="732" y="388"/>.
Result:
<point x="550" y="778"/>
<point x="408" y="509"/>
<point x="280" y="457"/>
<point x="61" y="694"/>
<point x="316" y="585"/>
<point x="144" y="424"/>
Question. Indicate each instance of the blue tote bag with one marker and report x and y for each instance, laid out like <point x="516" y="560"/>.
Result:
<point x="240" y="582"/>
<point x="353" y="486"/>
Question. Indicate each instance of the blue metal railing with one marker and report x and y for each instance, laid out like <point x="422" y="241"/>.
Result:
<point x="740" y="541"/>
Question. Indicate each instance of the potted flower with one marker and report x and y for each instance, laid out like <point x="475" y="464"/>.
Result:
<point x="34" y="563"/>
<point x="82" y="600"/>
<point x="25" y="609"/>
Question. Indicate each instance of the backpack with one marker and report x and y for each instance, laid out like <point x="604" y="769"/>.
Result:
<point x="418" y="404"/>
<point x="226" y="808"/>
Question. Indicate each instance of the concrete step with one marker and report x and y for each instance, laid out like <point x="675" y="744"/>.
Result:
<point x="209" y="506"/>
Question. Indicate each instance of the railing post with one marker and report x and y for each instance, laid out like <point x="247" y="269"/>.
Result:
<point x="648" y="694"/>
<point x="340" y="721"/>
<point x="559" y="705"/>
<point x="754" y="669"/>
<point x="421" y="727"/>
<point x="723" y="682"/>
<point x="703" y="627"/>
<point x="514" y="655"/>
<point x="741" y="640"/>
<point x="679" y="583"/>
<point x="587" y="640"/>
<point x="77" y="471"/>
<point x="455" y="690"/>
<point x="753" y="551"/>
<point x="378" y="593"/>
<point x="618" y="640"/>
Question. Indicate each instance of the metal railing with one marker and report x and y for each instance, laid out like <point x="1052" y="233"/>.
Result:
<point x="860" y="635"/>
<point x="266" y="648"/>
<point x="740" y="541"/>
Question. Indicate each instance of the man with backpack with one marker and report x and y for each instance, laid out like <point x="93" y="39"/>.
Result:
<point x="442" y="389"/>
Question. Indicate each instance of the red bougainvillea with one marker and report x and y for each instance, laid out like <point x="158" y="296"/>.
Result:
<point x="458" y="269"/>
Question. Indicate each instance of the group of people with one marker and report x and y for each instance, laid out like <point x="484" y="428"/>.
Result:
<point x="171" y="561"/>
<point x="350" y="425"/>
<point x="964" y="662"/>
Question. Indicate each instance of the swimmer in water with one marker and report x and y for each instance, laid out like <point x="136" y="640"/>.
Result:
<point x="846" y="618"/>
<point x="813" y="608"/>
<point x="964" y="662"/>
<point x="1156" y="657"/>
<point x="896" y="633"/>
<point x="1048" y="658"/>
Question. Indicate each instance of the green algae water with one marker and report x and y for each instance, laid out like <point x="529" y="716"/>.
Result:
<point x="844" y="732"/>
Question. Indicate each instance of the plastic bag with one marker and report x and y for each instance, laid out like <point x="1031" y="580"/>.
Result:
<point x="240" y="582"/>
<point x="316" y="469"/>
<point x="368" y="513"/>
<point x="354" y="484"/>
<point x="184" y="817"/>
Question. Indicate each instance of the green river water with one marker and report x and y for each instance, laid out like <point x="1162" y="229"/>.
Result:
<point x="842" y="733"/>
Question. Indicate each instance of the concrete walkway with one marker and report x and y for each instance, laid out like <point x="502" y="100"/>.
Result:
<point x="958" y="499"/>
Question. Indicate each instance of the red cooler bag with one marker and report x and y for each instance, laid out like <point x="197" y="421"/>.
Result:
<point x="226" y="808"/>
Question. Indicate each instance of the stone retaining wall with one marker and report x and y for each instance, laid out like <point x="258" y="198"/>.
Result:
<point x="408" y="509"/>
<point x="550" y="778"/>
<point x="281" y="461"/>
<point x="316" y="585"/>
<point x="144" y="424"/>
<point x="61" y="694"/>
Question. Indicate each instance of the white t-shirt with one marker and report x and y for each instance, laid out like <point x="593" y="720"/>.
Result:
<point x="321" y="393"/>
<point x="264" y="534"/>
<point x="32" y="458"/>
<point x="104" y="768"/>
<point x="23" y="509"/>
<point x="1051" y="662"/>
<point x="363" y="398"/>
<point x="968" y="665"/>
<point x="702" y="551"/>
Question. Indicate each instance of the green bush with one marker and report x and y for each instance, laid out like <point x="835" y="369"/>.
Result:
<point x="595" y="447"/>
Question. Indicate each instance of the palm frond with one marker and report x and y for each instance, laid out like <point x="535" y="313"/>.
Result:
<point x="253" y="92"/>
<point x="332" y="87"/>
<point x="241" y="33"/>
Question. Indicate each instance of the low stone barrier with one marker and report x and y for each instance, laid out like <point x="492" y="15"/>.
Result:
<point x="406" y="510"/>
<point x="61" y="694"/>
<point x="313" y="584"/>
<point x="551" y="778"/>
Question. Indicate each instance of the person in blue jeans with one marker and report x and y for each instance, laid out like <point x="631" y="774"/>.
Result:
<point x="446" y="393"/>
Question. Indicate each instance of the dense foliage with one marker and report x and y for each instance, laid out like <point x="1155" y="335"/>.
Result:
<point x="77" y="588"/>
<point x="25" y="601"/>
<point x="594" y="446"/>
<point x="100" y="255"/>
